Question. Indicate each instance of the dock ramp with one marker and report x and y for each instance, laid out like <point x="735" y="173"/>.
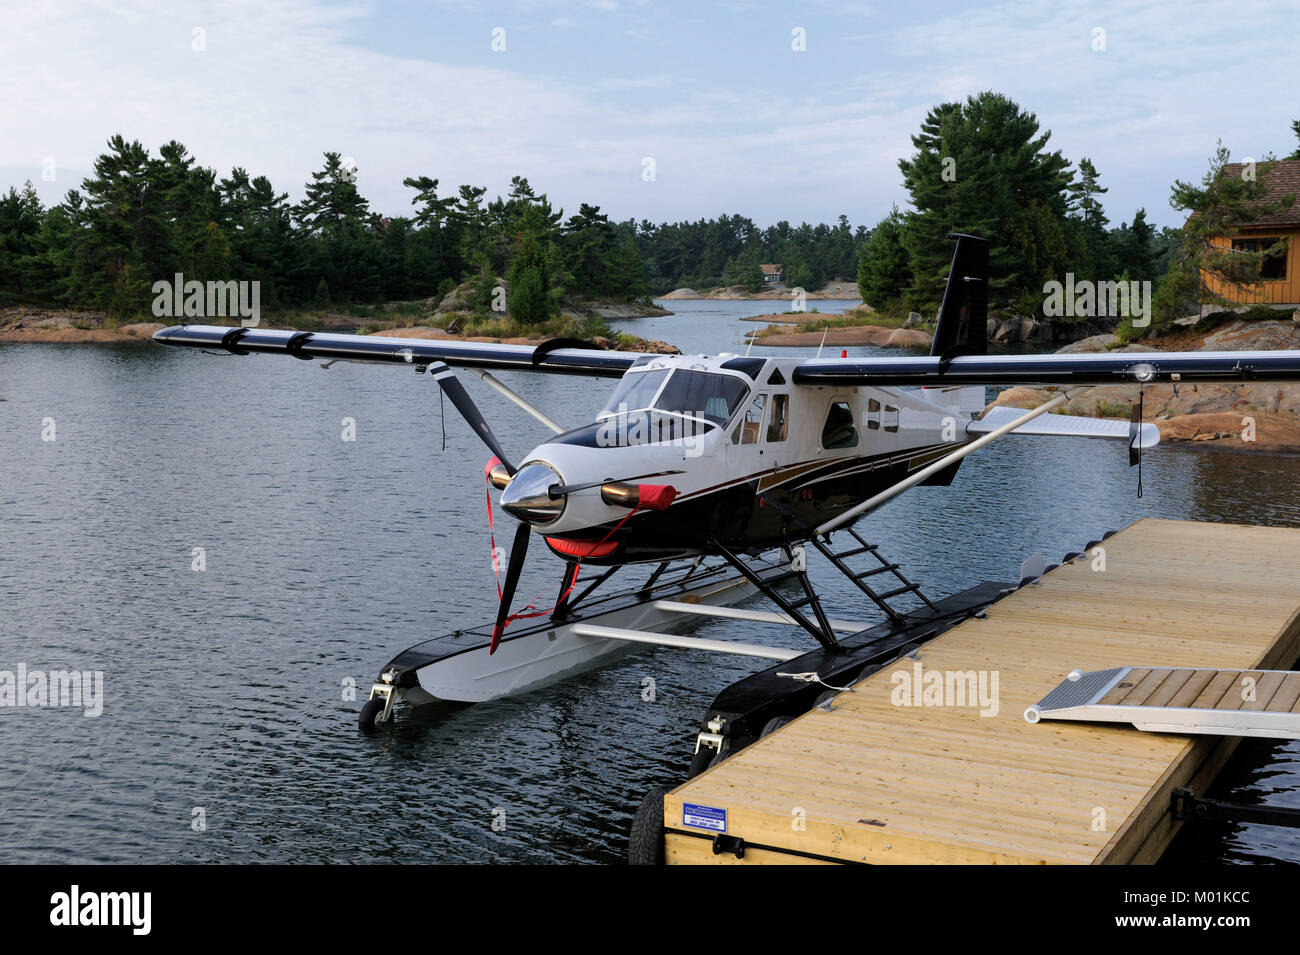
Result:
<point x="1180" y="700"/>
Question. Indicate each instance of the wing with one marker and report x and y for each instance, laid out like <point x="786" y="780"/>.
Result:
<point x="1086" y="369"/>
<point x="557" y="356"/>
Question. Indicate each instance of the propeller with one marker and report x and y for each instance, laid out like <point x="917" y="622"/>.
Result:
<point x="534" y="500"/>
<point x="518" y="550"/>
<point x="453" y="389"/>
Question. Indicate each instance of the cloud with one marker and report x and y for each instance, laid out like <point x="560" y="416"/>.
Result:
<point x="734" y="119"/>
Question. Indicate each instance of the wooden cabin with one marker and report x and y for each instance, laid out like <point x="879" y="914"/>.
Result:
<point x="772" y="273"/>
<point x="1279" y="282"/>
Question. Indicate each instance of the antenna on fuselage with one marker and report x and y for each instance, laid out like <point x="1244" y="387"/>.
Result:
<point x="825" y="331"/>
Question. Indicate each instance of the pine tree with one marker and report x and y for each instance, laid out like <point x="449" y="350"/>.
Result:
<point x="589" y="246"/>
<point x="1098" y="258"/>
<point x="438" y="217"/>
<point x="332" y="201"/>
<point x="20" y="223"/>
<point x="884" y="272"/>
<point x="529" y="300"/>
<point x="627" y="271"/>
<point x="982" y="167"/>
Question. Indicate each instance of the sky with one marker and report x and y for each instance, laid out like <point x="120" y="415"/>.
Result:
<point x="660" y="111"/>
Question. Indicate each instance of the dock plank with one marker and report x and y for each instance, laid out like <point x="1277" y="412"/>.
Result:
<point x="880" y="780"/>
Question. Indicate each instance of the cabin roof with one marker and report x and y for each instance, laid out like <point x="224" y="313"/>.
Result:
<point x="1283" y="179"/>
<point x="771" y="269"/>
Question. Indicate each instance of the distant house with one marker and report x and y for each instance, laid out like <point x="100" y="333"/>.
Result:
<point x="773" y="273"/>
<point x="1279" y="282"/>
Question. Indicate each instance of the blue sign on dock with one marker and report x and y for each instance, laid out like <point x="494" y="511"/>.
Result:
<point x="704" y="817"/>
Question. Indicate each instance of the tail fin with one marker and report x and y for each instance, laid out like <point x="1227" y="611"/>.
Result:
<point x="964" y="314"/>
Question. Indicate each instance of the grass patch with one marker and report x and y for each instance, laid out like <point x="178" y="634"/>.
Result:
<point x="1111" y="409"/>
<point x="851" y="319"/>
<point x="474" y="324"/>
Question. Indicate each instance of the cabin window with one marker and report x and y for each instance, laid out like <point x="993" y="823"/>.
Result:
<point x="839" y="431"/>
<point x="1271" y="267"/>
<point x="873" y="414"/>
<point x="778" y="423"/>
<point x="751" y="421"/>
<point x="891" y="424"/>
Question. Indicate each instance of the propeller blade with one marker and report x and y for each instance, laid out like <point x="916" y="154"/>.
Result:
<point x="453" y="389"/>
<point x="514" y="568"/>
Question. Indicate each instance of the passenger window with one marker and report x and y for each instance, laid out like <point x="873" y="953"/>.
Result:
<point x="777" y="422"/>
<point x="747" y="431"/>
<point x="891" y="424"/>
<point x="839" y="431"/>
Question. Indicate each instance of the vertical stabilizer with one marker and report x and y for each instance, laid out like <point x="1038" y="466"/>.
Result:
<point x="963" y="316"/>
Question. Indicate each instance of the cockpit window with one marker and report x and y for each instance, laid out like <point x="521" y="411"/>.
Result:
<point x="635" y="391"/>
<point x="702" y="394"/>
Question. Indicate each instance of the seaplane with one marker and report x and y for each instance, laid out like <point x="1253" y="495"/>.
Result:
<point x="717" y="475"/>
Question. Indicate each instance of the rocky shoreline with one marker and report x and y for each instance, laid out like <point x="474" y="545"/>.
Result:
<point x="877" y="335"/>
<point x="780" y="330"/>
<point x="837" y="291"/>
<point x="621" y="343"/>
<point x="75" y="328"/>
<point x="45" y="327"/>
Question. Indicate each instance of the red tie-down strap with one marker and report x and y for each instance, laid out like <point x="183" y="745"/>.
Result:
<point x="653" y="497"/>
<point x="530" y="610"/>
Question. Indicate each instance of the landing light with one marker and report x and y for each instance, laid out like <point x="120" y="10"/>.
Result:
<point x="1144" y="371"/>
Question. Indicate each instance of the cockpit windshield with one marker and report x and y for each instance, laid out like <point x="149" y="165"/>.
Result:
<point x="701" y="394"/>
<point x="635" y="391"/>
<point x="694" y="394"/>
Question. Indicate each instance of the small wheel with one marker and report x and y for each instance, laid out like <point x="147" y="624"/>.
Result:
<point x="774" y="724"/>
<point x="826" y="697"/>
<point x="645" y="842"/>
<point x="368" y="718"/>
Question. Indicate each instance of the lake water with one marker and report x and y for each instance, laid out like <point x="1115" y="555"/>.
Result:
<point x="225" y="688"/>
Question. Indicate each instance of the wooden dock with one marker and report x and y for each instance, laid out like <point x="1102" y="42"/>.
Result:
<point x="888" y="776"/>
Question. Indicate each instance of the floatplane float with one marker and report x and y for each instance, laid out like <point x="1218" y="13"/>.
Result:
<point x="718" y="474"/>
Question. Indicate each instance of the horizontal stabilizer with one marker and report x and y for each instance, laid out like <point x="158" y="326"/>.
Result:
<point x="1060" y="424"/>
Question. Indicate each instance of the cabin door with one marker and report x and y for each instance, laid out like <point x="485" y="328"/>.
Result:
<point x="758" y="440"/>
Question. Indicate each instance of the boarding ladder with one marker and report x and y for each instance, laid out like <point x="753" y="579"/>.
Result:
<point x="820" y="626"/>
